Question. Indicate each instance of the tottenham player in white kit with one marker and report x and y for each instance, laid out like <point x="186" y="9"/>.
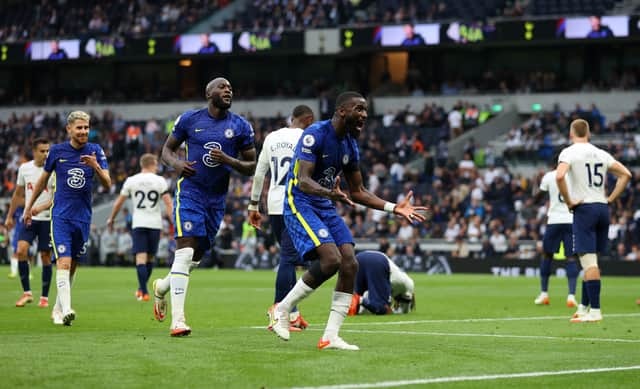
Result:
<point x="28" y="175"/>
<point x="276" y="155"/>
<point x="559" y="230"/>
<point x="586" y="167"/>
<point x="145" y="190"/>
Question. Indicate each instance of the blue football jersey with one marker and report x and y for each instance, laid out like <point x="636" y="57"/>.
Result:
<point x="201" y="133"/>
<point x="320" y="144"/>
<point x="74" y="180"/>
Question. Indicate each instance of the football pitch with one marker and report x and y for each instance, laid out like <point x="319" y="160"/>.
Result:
<point x="467" y="331"/>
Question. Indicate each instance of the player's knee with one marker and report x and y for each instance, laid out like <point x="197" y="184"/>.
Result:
<point x="322" y="272"/>
<point x="349" y="265"/>
<point x="588" y="261"/>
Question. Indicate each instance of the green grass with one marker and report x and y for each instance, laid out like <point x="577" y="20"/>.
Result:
<point x="114" y="342"/>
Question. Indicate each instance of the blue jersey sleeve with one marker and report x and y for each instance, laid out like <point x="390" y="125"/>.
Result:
<point x="246" y="140"/>
<point x="101" y="158"/>
<point x="180" y="127"/>
<point x="50" y="163"/>
<point x="354" y="161"/>
<point x="309" y="145"/>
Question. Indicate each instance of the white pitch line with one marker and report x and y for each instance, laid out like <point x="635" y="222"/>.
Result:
<point x="543" y="337"/>
<point x="437" y="380"/>
<point x="472" y="320"/>
<point x="478" y="320"/>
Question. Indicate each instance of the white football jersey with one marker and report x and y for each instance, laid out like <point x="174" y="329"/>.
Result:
<point x="145" y="191"/>
<point x="28" y="175"/>
<point x="558" y="212"/>
<point x="401" y="283"/>
<point x="276" y="154"/>
<point x="588" y="166"/>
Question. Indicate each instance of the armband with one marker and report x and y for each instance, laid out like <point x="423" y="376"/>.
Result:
<point x="253" y="207"/>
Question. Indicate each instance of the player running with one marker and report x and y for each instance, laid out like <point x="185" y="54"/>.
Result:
<point x="276" y="156"/>
<point x="381" y="286"/>
<point x="145" y="190"/>
<point x="586" y="167"/>
<point x="326" y="149"/>
<point x="28" y="175"/>
<point x="559" y="231"/>
<point x="75" y="164"/>
<point x="214" y="139"/>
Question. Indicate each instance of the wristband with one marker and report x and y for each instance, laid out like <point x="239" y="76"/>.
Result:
<point x="389" y="207"/>
<point x="253" y="207"/>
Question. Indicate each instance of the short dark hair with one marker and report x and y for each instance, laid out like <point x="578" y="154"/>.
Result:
<point x="301" y="110"/>
<point x="39" y="141"/>
<point x="344" y="97"/>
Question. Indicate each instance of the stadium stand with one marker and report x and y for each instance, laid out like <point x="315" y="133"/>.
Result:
<point x="23" y="20"/>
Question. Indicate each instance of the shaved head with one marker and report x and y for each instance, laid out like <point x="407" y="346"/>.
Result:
<point x="219" y="93"/>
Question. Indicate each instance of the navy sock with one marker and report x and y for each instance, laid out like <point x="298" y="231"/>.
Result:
<point x="142" y="278"/>
<point x="593" y="287"/>
<point x="149" y="270"/>
<point x="585" y="294"/>
<point x="572" y="275"/>
<point x="46" y="280"/>
<point x="545" y="272"/>
<point x="285" y="280"/>
<point x="23" y="270"/>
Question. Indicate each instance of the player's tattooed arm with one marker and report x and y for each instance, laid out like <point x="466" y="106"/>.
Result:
<point x="309" y="186"/>
<point x="245" y="166"/>
<point x="170" y="158"/>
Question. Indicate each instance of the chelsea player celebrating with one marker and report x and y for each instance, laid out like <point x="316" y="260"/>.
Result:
<point x="75" y="163"/>
<point x="214" y="138"/>
<point x="324" y="150"/>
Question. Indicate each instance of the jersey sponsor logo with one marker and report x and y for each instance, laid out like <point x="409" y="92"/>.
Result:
<point x="188" y="226"/>
<point x="62" y="248"/>
<point x="206" y="158"/>
<point x="76" y="179"/>
<point x="199" y="129"/>
<point x="228" y="133"/>
<point x="323" y="233"/>
<point x="345" y="159"/>
<point x="308" y="140"/>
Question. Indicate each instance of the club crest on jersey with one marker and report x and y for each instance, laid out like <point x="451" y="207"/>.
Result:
<point x="188" y="226"/>
<point x="76" y="178"/>
<point x="308" y="140"/>
<point x="323" y="233"/>
<point x="206" y="158"/>
<point x="228" y="133"/>
<point x="62" y="248"/>
<point x="345" y="159"/>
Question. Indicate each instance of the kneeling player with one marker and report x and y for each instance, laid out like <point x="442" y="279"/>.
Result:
<point x="559" y="229"/>
<point x="381" y="287"/>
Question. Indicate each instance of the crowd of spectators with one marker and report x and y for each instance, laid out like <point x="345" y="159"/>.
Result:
<point x="543" y="134"/>
<point x="473" y="201"/>
<point x="24" y="20"/>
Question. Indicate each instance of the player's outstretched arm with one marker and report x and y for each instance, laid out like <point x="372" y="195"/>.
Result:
<point x="170" y="158"/>
<point x="361" y="195"/>
<point x="116" y="208"/>
<point x="18" y="195"/>
<point x="624" y="175"/>
<point x="561" y="175"/>
<point x="40" y="185"/>
<point x="309" y="186"/>
<point x="245" y="166"/>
